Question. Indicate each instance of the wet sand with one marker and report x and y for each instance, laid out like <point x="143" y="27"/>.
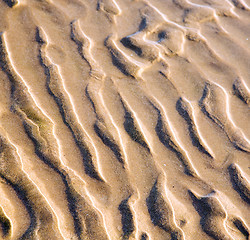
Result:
<point x="124" y="119"/>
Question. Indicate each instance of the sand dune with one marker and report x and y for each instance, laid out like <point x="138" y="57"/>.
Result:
<point x="124" y="119"/>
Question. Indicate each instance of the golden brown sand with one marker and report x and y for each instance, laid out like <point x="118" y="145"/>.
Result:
<point x="124" y="119"/>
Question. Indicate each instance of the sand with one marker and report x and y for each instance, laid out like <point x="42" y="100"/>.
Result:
<point x="124" y="119"/>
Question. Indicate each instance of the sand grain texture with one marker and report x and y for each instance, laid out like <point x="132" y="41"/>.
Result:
<point x="124" y="119"/>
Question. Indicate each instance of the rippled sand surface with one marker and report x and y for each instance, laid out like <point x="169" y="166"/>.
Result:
<point x="125" y="119"/>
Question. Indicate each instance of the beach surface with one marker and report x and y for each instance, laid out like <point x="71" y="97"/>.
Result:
<point x="124" y="119"/>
